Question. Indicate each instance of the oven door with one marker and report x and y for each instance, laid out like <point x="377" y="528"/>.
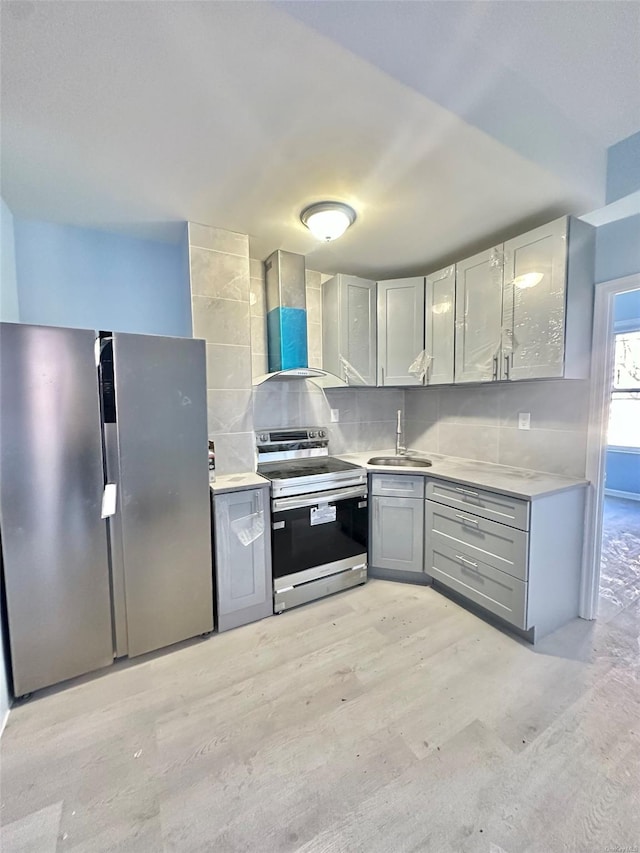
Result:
<point x="315" y="530"/>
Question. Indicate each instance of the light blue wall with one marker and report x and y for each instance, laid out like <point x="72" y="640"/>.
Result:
<point x="623" y="168"/>
<point x="91" y="279"/>
<point x="8" y="283"/>
<point x="623" y="471"/>
<point x="626" y="307"/>
<point x="618" y="249"/>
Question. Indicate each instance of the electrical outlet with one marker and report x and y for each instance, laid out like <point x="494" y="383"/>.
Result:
<point x="335" y="416"/>
<point x="524" y="420"/>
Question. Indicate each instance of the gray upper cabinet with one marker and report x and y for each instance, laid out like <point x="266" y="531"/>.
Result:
<point x="439" y="325"/>
<point x="547" y="307"/>
<point x="243" y="561"/>
<point x="349" y="329"/>
<point x="478" y="316"/>
<point x="400" y="329"/>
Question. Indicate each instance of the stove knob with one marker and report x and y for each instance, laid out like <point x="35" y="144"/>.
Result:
<point x="263" y="437"/>
<point x="312" y="434"/>
<point x="322" y="433"/>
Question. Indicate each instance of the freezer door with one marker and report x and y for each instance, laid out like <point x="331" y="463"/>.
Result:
<point x="161" y="407"/>
<point x="54" y="541"/>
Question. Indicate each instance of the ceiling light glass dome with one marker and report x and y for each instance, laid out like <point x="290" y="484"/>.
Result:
<point x="328" y="220"/>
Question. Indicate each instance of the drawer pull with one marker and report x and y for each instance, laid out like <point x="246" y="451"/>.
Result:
<point x="466" y="519"/>
<point x="467" y="492"/>
<point x="467" y="562"/>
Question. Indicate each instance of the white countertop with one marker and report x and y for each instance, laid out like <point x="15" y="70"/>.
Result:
<point x="237" y="482"/>
<point x="517" y="482"/>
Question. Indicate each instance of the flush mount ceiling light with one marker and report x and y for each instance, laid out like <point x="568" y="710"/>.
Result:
<point x="328" y="220"/>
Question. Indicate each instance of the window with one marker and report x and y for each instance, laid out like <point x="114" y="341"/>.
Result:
<point x="624" y="414"/>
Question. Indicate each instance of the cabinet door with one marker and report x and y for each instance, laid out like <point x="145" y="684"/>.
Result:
<point x="534" y="303"/>
<point x="397" y="537"/>
<point x="357" y="330"/>
<point x="439" y="325"/>
<point x="400" y="329"/>
<point x="478" y="316"/>
<point x="241" y="522"/>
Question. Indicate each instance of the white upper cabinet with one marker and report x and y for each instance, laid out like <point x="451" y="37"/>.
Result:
<point x="524" y="309"/>
<point x="400" y="329"/>
<point x="349" y="329"/>
<point x="439" y="325"/>
<point x="548" y="302"/>
<point x="478" y="317"/>
<point x="534" y="303"/>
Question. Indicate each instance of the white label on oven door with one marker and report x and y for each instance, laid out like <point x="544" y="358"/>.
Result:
<point x="322" y="514"/>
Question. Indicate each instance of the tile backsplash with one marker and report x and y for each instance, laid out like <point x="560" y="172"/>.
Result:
<point x="367" y="415"/>
<point x="481" y="422"/>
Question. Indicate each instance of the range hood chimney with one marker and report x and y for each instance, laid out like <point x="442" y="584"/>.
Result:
<point x="287" y="322"/>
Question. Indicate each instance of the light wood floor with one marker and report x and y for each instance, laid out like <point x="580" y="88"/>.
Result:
<point x="383" y="720"/>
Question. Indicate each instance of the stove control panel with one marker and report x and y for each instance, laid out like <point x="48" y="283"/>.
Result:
<point x="300" y="436"/>
<point x="291" y="443"/>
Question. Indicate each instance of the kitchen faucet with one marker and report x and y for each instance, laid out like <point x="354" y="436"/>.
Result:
<point x="400" y="448"/>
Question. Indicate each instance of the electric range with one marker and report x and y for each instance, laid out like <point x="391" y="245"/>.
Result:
<point x="319" y="518"/>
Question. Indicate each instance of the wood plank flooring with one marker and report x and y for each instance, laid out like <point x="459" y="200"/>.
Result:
<point x="386" y="719"/>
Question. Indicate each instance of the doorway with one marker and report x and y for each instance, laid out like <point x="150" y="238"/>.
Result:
<point x="620" y="551"/>
<point x="612" y="538"/>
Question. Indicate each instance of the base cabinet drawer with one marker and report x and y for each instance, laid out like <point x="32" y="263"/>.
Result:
<point x="497" y="592"/>
<point x="399" y="486"/>
<point x="397" y="535"/>
<point x="497" y="545"/>
<point x="501" y="508"/>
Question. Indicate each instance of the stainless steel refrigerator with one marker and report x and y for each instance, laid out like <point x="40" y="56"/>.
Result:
<point x="81" y="589"/>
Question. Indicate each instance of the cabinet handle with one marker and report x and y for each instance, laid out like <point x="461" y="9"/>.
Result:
<point x="495" y="367"/>
<point x="466" y="519"/>
<point x="382" y="369"/>
<point x="467" y="562"/>
<point x="467" y="492"/>
<point x="506" y="367"/>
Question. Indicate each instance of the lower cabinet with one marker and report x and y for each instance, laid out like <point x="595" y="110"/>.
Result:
<point x="397" y="534"/>
<point x="483" y="560"/>
<point x="396" y="537"/>
<point x="526" y="571"/>
<point x="241" y="523"/>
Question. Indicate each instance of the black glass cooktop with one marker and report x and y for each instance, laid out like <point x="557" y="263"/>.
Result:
<point x="304" y="468"/>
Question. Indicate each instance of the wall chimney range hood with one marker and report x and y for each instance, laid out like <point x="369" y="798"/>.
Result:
<point x="287" y="323"/>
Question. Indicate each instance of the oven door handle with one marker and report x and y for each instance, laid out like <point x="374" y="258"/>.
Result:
<point x="332" y="495"/>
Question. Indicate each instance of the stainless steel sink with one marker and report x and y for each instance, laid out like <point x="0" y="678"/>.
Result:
<point x="400" y="461"/>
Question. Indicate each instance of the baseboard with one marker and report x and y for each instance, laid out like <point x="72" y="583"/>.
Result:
<point x="629" y="496"/>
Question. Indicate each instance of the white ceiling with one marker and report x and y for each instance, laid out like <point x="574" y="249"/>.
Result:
<point x="443" y="124"/>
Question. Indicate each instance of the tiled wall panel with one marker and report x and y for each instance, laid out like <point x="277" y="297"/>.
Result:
<point x="221" y="312"/>
<point x="482" y="423"/>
